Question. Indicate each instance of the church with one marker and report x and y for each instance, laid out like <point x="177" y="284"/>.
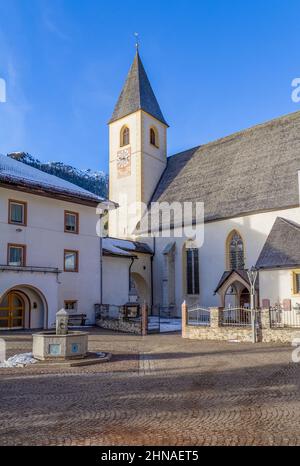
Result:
<point x="249" y="185"/>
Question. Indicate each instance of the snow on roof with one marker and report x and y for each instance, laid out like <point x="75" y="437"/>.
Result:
<point x="13" y="170"/>
<point x="124" y="247"/>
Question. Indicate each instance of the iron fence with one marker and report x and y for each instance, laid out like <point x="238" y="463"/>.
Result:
<point x="236" y="317"/>
<point x="108" y="311"/>
<point x="280" y="318"/>
<point x="198" y="316"/>
<point x="163" y="319"/>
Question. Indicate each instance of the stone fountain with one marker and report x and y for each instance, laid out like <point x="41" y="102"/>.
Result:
<point x="61" y="344"/>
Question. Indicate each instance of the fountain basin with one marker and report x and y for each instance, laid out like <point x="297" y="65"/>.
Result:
<point x="49" y="345"/>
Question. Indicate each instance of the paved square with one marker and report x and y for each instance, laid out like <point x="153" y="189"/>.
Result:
<point x="157" y="390"/>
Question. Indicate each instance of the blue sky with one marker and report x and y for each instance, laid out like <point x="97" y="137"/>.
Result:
<point x="216" y="67"/>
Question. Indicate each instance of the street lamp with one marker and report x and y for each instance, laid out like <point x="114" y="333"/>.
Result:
<point x="252" y="276"/>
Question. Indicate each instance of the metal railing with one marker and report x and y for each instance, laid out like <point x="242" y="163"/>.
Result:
<point x="198" y="316"/>
<point x="28" y="268"/>
<point x="116" y="311"/>
<point x="280" y="318"/>
<point x="236" y="317"/>
<point x="108" y="311"/>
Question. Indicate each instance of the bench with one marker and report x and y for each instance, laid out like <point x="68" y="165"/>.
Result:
<point x="77" y="319"/>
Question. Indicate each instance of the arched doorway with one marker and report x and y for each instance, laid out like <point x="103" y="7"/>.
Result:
<point x="12" y="311"/>
<point x="230" y="299"/>
<point x="245" y="298"/>
<point x="23" y="306"/>
<point x="141" y="287"/>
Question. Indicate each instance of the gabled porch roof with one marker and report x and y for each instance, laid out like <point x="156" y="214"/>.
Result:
<point x="228" y="274"/>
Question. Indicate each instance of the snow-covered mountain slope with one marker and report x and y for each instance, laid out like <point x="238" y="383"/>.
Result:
<point x="93" y="181"/>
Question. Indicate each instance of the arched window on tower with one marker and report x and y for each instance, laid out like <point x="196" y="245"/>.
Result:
<point x="125" y="136"/>
<point x="235" y="251"/>
<point x="153" y="137"/>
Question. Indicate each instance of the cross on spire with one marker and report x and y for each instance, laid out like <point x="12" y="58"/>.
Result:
<point x="137" y="42"/>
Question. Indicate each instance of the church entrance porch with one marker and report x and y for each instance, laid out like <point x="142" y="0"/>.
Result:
<point x="234" y="290"/>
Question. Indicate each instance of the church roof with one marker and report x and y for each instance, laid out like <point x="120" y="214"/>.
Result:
<point x="137" y="94"/>
<point x="282" y="247"/>
<point x="249" y="171"/>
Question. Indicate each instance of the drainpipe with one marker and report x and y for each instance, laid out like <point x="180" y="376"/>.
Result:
<point x="101" y="260"/>
<point x="132" y="261"/>
<point x="152" y="258"/>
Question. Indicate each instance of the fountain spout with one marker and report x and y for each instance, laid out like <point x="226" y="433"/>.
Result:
<point x="62" y="320"/>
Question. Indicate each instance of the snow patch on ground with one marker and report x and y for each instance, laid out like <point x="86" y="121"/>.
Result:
<point x="19" y="360"/>
<point x="165" y="324"/>
<point x="101" y="355"/>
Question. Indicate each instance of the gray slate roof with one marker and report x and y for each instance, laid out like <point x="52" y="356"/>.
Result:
<point x="137" y="94"/>
<point x="249" y="171"/>
<point x="242" y="273"/>
<point x="282" y="247"/>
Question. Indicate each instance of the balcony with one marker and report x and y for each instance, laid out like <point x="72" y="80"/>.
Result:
<point x="31" y="269"/>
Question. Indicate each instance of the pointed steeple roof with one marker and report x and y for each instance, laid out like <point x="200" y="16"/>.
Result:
<point x="137" y="94"/>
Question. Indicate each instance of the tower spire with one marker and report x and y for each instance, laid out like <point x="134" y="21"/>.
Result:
<point x="137" y="93"/>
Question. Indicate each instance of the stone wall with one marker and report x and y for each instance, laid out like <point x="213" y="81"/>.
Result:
<point x="215" y="331"/>
<point x="269" y="334"/>
<point x="121" y="325"/>
<point x="196" y="332"/>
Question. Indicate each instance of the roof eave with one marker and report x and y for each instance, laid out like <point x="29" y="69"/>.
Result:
<point x="50" y="193"/>
<point x="161" y="120"/>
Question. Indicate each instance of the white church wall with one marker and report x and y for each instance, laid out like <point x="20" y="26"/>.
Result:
<point x="254" y="230"/>
<point x="115" y="280"/>
<point x="154" y="158"/>
<point x="129" y="185"/>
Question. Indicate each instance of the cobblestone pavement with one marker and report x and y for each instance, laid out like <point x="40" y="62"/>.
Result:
<point x="156" y="390"/>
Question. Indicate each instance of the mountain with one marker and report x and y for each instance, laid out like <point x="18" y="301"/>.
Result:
<point x="94" y="181"/>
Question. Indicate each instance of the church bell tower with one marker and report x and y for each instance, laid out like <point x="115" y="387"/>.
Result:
<point x="137" y="150"/>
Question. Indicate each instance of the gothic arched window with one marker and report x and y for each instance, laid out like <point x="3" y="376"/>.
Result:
<point x="153" y="137"/>
<point x="235" y="251"/>
<point x="124" y="136"/>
